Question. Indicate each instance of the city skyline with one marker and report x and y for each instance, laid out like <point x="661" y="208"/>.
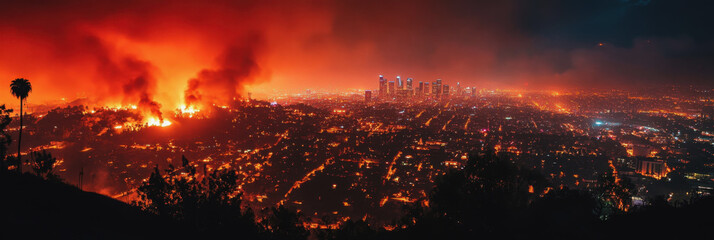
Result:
<point x="85" y="49"/>
<point x="356" y="119"/>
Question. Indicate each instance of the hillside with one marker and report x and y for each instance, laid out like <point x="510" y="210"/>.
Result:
<point x="35" y="208"/>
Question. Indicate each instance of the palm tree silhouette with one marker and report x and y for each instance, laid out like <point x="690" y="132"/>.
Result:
<point x="20" y="88"/>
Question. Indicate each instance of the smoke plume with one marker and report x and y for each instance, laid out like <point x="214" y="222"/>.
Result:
<point x="162" y="54"/>
<point x="238" y="66"/>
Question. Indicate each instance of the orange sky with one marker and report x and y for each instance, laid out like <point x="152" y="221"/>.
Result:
<point x="162" y="51"/>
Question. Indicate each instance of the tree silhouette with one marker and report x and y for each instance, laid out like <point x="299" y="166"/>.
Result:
<point x="485" y="198"/>
<point x="284" y="223"/>
<point x="42" y="164"/>
<point x="209" y="202"/>
<point x="5" y="138"/>
<point x="614" y="195"/>
<point x="20" y="88"/>
<point x="355" y="230"/>
<point x="564" y="214"/>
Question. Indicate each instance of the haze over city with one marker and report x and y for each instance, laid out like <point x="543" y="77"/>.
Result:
<point x="117" y="52"/>
<point x="356" y="119"/>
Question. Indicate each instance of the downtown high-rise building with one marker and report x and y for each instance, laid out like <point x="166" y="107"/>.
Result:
<point x="420" y="89"/>
<point x="382" y="86"/>
<point x="405" y="90"/>
<point x="368" y="95"/>
<point x="436" y="88"/>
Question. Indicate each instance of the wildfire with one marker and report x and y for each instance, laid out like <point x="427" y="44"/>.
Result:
<point x="188" y="110"/>
<point x="158" y="123"/>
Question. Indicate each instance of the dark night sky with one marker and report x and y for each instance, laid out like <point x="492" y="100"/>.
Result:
<point x="123" y="51"/>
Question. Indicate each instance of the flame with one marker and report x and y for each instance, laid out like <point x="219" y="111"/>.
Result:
<point x="158" y="123"/>
<point x="188" y="110"/>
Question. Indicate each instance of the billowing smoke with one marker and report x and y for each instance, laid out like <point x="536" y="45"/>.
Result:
<point x="138" y="87"/>
<point x="163" y="54"/>
<point x="153" y="55"/>
<point x="237" y="67"/>
<point x="135" y="79"/>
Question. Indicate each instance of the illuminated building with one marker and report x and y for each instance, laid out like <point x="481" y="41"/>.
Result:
<point x="391" y="89"/>
<point x="640" y="150"/>
<point x="426" y="89"/>
<point x="420" y="89"/>
<point x="403" y="93"/>
<point x="651" y="167"/>
<point x="446" y="91"/>
<point x="409" y="84"/>
<point x="367" y="95"/>
<point x="436" y="88"/>
<point x="400" y="83"/>
<point x="382" y="86"/>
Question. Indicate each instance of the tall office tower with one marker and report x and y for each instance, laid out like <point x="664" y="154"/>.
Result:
<point x="409" y="83"/>
<point x="446" y="91"/>
<point x="382" y="86"/>
<point x="458" y="89"/>
<point x="391" y="89"/>
<point x="400" y="83"/>
<point x="426" y="88"/>
<point x="420" y="89"/>
<point x="367" y="95"/>
<point x="473" y="91"/>
<point x="436" y="88"/>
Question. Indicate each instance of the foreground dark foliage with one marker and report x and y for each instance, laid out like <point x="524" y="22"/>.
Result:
<point x="35" y="208"/>
<point x="491" y="198"/>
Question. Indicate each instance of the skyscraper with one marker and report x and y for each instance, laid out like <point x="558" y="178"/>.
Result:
<point x="391" y="89"/>
<point x="368" y="95"/>
<point x="420" y="89"/>
<point x="436" y="88"/>
<point x="409" y="84"/>
<point x="382" y="86"/>
<point x="426" y="88"/>
<point x="446" y="91"/>
<point x="400" y="83"/>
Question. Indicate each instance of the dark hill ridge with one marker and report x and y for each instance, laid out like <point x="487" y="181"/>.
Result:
<point x="34" y="208"/>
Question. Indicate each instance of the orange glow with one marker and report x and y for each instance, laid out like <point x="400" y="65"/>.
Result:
<point x="190" y="110"/>
<point x="614" y="171"/>
<point x="154" y="122"/>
